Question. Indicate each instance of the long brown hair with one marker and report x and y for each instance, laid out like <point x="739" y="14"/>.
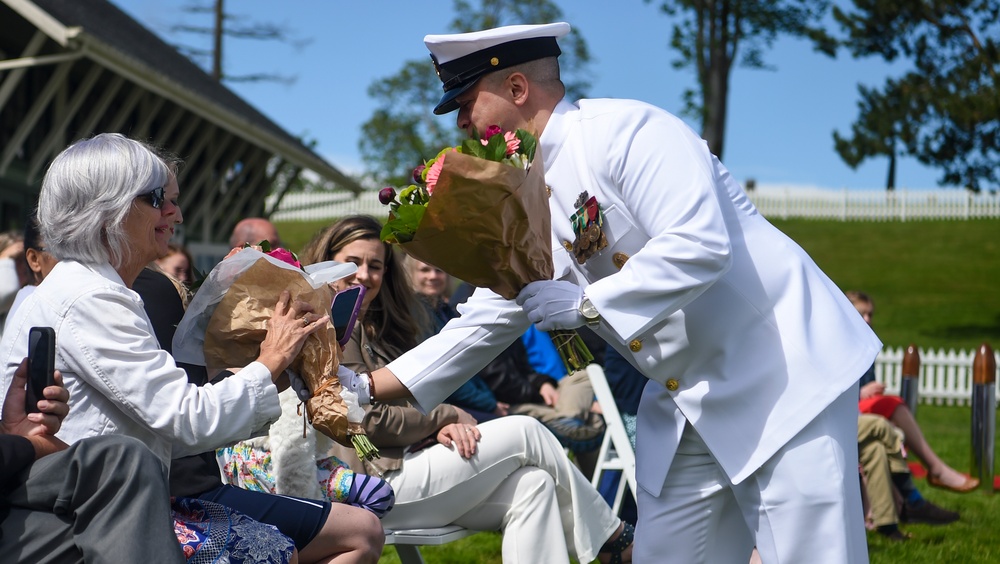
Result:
<point x="390" y="317"/>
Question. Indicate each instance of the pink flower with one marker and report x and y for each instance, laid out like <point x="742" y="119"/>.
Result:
<point x="284" y="255"/>
<point x="491" y="131"/>
<point x="433" y="173"/>
<point x="512" y="142"/>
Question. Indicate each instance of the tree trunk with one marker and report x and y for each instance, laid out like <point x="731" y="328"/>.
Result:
<point x="715" y="101"/>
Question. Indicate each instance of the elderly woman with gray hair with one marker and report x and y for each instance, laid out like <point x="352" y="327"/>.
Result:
<point x="108" y="206"/>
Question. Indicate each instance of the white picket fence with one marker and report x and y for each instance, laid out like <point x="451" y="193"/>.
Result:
<point x="313" y="206"/>
<point x="945" y="377"/>
<point x="773" y="201"/>
<point x="874" y="205"/>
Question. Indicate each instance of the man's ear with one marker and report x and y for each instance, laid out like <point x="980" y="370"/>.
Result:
<point x="518" y="87"/>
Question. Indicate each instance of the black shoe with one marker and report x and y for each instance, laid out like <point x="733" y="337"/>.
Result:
<point x="893" y="533"/>
<point x="927" y="512"/>
<point x="577" y="435"/>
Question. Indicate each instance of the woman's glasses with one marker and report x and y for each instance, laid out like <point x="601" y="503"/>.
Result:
<point x="155" y="197"/>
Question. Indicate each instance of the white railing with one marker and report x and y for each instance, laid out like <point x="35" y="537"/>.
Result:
<point x="945" y="377"/>
<point x="873" y="205"/>
<point x="310" y="206"/>
<point x="772" y="201"/>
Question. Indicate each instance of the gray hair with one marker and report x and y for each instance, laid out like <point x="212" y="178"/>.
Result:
<point x="88" y="191"/>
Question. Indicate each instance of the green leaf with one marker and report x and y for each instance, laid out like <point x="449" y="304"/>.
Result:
<point x="403" y="223"/>
<point x="528" y="143"/>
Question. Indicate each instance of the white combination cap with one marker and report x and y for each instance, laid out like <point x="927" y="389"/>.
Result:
<point x="461" y="59"/>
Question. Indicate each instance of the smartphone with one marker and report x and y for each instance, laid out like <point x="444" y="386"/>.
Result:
<point x="344" y="313"/>
<point x="41" y="363"/>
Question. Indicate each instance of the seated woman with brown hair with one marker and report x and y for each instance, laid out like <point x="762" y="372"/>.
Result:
<point x="509" y="474"/>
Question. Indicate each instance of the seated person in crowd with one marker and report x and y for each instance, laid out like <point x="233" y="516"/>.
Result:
<point x="120" y="379"/>
<point x="99" y="500"/>
<point x="12" y="274"/>
<point x="430" y="285"/>
<point x="509" y="474"/>
<point x="891" y="495"/>
<point x="178" y="264"/>
<point x="253" y="230"/>
<point x="37" y="262"/>
<point x="873" y="400"/>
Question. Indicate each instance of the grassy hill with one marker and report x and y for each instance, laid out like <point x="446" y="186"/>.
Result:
<point x="935" y="283"/>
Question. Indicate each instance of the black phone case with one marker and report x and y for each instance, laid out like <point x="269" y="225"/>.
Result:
<point x="41" y="363"/>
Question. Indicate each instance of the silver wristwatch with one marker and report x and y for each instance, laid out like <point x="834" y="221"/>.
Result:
<point x="589" y="313"/>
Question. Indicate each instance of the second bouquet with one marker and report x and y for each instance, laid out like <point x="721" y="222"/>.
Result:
<point x="480" y="212"/>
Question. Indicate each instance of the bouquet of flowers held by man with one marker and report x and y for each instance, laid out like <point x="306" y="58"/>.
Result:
<point x="490" y="194"/>
<point x="226" y="322"/>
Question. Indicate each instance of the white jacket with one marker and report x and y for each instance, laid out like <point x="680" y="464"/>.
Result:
<point x="119" y="379"/>
<point x="746" y="338"/>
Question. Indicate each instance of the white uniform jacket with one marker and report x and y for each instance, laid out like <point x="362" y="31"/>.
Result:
<point x="746" y="337"/>
<point x="119" y="379"/>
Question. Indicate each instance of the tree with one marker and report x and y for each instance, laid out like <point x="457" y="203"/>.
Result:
<point x="945" y="112"/>
<point x="403" y="131"/>
<point x="713" y="35"/>
<point x="228" y="25"/>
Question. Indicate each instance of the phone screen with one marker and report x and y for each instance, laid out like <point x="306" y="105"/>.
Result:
<point x="344" y="313"/>
<point x="41" y="363"/>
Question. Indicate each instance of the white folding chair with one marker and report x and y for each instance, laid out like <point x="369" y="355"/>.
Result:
<point x="616" y="450"/>
<point x="407" y="541"/>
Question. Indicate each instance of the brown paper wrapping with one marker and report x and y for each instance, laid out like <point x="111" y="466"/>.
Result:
<point x="487" y="224"/>
<point x="239" y="325"/>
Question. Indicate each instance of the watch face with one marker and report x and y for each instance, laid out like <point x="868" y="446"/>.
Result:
<point x="588" y="310"/>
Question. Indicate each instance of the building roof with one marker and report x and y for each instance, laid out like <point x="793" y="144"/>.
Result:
<point x="114" y="38"/>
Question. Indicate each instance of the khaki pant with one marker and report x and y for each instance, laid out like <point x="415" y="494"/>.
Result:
<point x="880" y="451"/>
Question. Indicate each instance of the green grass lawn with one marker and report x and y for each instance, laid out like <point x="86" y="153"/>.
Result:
<point x="935" y="284"/>
<point x="972" y="540"/>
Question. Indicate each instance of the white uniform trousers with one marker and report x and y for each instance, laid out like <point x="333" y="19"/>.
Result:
<point x="802" y="505"/>
<point x="520" y="482"/>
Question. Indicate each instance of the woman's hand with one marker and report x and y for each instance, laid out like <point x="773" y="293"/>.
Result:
<point x="462" y="435"/>
<point x="872" y="389"/>
<point x="292" y="323"/>
<point x="502" y="409"/>
<point x="549" y="393"/>
<point x="464" y="418"/>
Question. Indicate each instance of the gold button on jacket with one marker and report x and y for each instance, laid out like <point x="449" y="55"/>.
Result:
<point x="672" y="384"/>
<point x="635" y="345"/>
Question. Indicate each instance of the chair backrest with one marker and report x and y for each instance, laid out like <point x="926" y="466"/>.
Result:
<point x="616" y="451"/>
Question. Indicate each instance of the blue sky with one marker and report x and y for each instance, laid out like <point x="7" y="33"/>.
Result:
<point x="780" y="122"/>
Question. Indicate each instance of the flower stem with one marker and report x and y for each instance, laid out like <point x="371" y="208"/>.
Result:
<point x="364" y="447"/>
<point x="572" y="350"/>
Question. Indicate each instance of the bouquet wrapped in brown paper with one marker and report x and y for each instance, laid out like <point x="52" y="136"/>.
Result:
<point x="227" y="320"/>
<point x="490" y="194"/>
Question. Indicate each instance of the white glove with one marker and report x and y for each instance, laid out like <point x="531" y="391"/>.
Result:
<point x="552" y="304"/>
<point x="357" y="383"/>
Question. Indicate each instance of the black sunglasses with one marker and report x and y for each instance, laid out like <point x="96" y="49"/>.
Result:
<point x="155" y="197"/>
